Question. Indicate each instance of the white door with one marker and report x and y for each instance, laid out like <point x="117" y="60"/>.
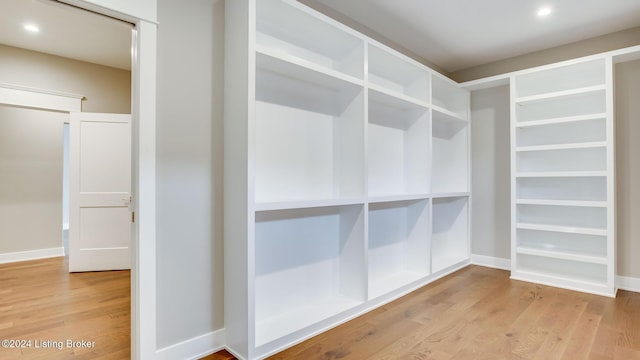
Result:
<point x="99" y="192"/>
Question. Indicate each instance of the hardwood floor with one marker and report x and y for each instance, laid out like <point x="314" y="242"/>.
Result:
<point x="44" y="305"/>
<point x="476" y="313"/>
<point x="479" y="313"/>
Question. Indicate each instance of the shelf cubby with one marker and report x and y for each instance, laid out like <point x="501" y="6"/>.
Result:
<point x="450" y="232"/>
<point x="566" y="216"/>
<point x="569" y="245"/>
<point x="398" y="252"/>
<point x="568" y="159"/>
<point x="563" y="271"/>
<point x="309" y="265"/>
<point x="562" y="188"/>
<point x="309" y="134"/>
<point x="292" y="33"/>
<point x="448" y="96"/>
<point x="589" y="102"/>
<point x="573" y="132"/>
<point x="398" y="146"/>
<point x="399" y="75"/>
<point x="562" y="78"/>
<point x="450" y="154"/>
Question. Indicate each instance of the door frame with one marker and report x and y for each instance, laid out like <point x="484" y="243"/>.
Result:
<point x="143" y="187"/>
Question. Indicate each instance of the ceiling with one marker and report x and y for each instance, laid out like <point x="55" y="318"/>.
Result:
<point x="459" y="34"/>
<point x="66" y="31"/>
<point x="452" y="34"/>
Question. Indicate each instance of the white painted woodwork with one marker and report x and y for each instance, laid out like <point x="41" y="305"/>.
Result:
<point x="15" y="95"/>
<point x="398" y="252"/>
<point x="563" y="204"/>
<point x="100" y="192"/>
<point x="397" y="74"/>
<point x="450" y="232"/>
<point x="398" y="147"/>
<point x="344" y="160"/>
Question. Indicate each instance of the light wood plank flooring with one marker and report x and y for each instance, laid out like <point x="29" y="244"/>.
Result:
<point x="479" y="313"/>
<point x="42" y="303"/>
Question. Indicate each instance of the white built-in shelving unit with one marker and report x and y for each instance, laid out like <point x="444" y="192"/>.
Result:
<point x="563" y="201"/>
<point x="346" y="175"/>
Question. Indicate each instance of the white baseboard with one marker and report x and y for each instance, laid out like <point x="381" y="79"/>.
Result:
<point x="628" y="283"/>
<point x="31" y="255"/>
<point x="492" y="262"/>
<point x="195" y="348"/>
<point x="623" y="282"/>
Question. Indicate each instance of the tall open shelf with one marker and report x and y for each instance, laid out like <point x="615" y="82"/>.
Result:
<point x="346" y="175"/>
<point x="450" y="137"/>
<point x="563" y="210"/>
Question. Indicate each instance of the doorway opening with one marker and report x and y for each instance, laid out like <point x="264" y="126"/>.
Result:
<point x="36" y="77"/>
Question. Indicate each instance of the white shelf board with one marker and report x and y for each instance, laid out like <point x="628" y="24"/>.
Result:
<point x="450" y="194"/>
<point x="440" y="263"/>
<point x="296" y="61"/>
<point x="552" y="174"/>
<point x="562" y="202"/>
<point x="301" y="204"/>
<point x="394" y="282"/>
<point x="558" y="94"/>
<point x="304" y="70"/>
<point x="561" y="120"/>
<point x="583" y="145"/>
<point x="565" y="255"/>
<point x="399" y="197"/>
<point x="444" y="114"/>
<point x="402" y="100"/>
<point x="298" y="318"/>
<point x="563" y="229"/>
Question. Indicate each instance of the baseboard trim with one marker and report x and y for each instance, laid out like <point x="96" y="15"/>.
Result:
<point x="194" y="348"/>
<point x="491" y="262"/>
<point x="628" y="283"/>
<point x="622" y="282"/>
<point x="31" y="255"/>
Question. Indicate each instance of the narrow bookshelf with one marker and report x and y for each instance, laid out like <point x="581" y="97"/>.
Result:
<point x="562" y="177"/>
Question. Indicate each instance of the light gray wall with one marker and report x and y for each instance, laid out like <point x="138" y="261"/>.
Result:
<point x="490" y="186"/>
<point x="189" y="169"/>
<point x="30" y="179"/>
<point x="627" y="112"/>
<point x="106" y="89"/>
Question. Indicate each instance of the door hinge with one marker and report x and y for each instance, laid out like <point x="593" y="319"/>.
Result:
<point x="133" y="216"/>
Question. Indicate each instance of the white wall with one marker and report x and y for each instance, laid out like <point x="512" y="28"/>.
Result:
<point x="189" y="169"/>
<point x="490" y="220"/>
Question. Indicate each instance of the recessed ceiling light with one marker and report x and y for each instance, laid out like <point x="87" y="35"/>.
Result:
<point x="544" y="11"/>
<point x="31" y="28"/>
